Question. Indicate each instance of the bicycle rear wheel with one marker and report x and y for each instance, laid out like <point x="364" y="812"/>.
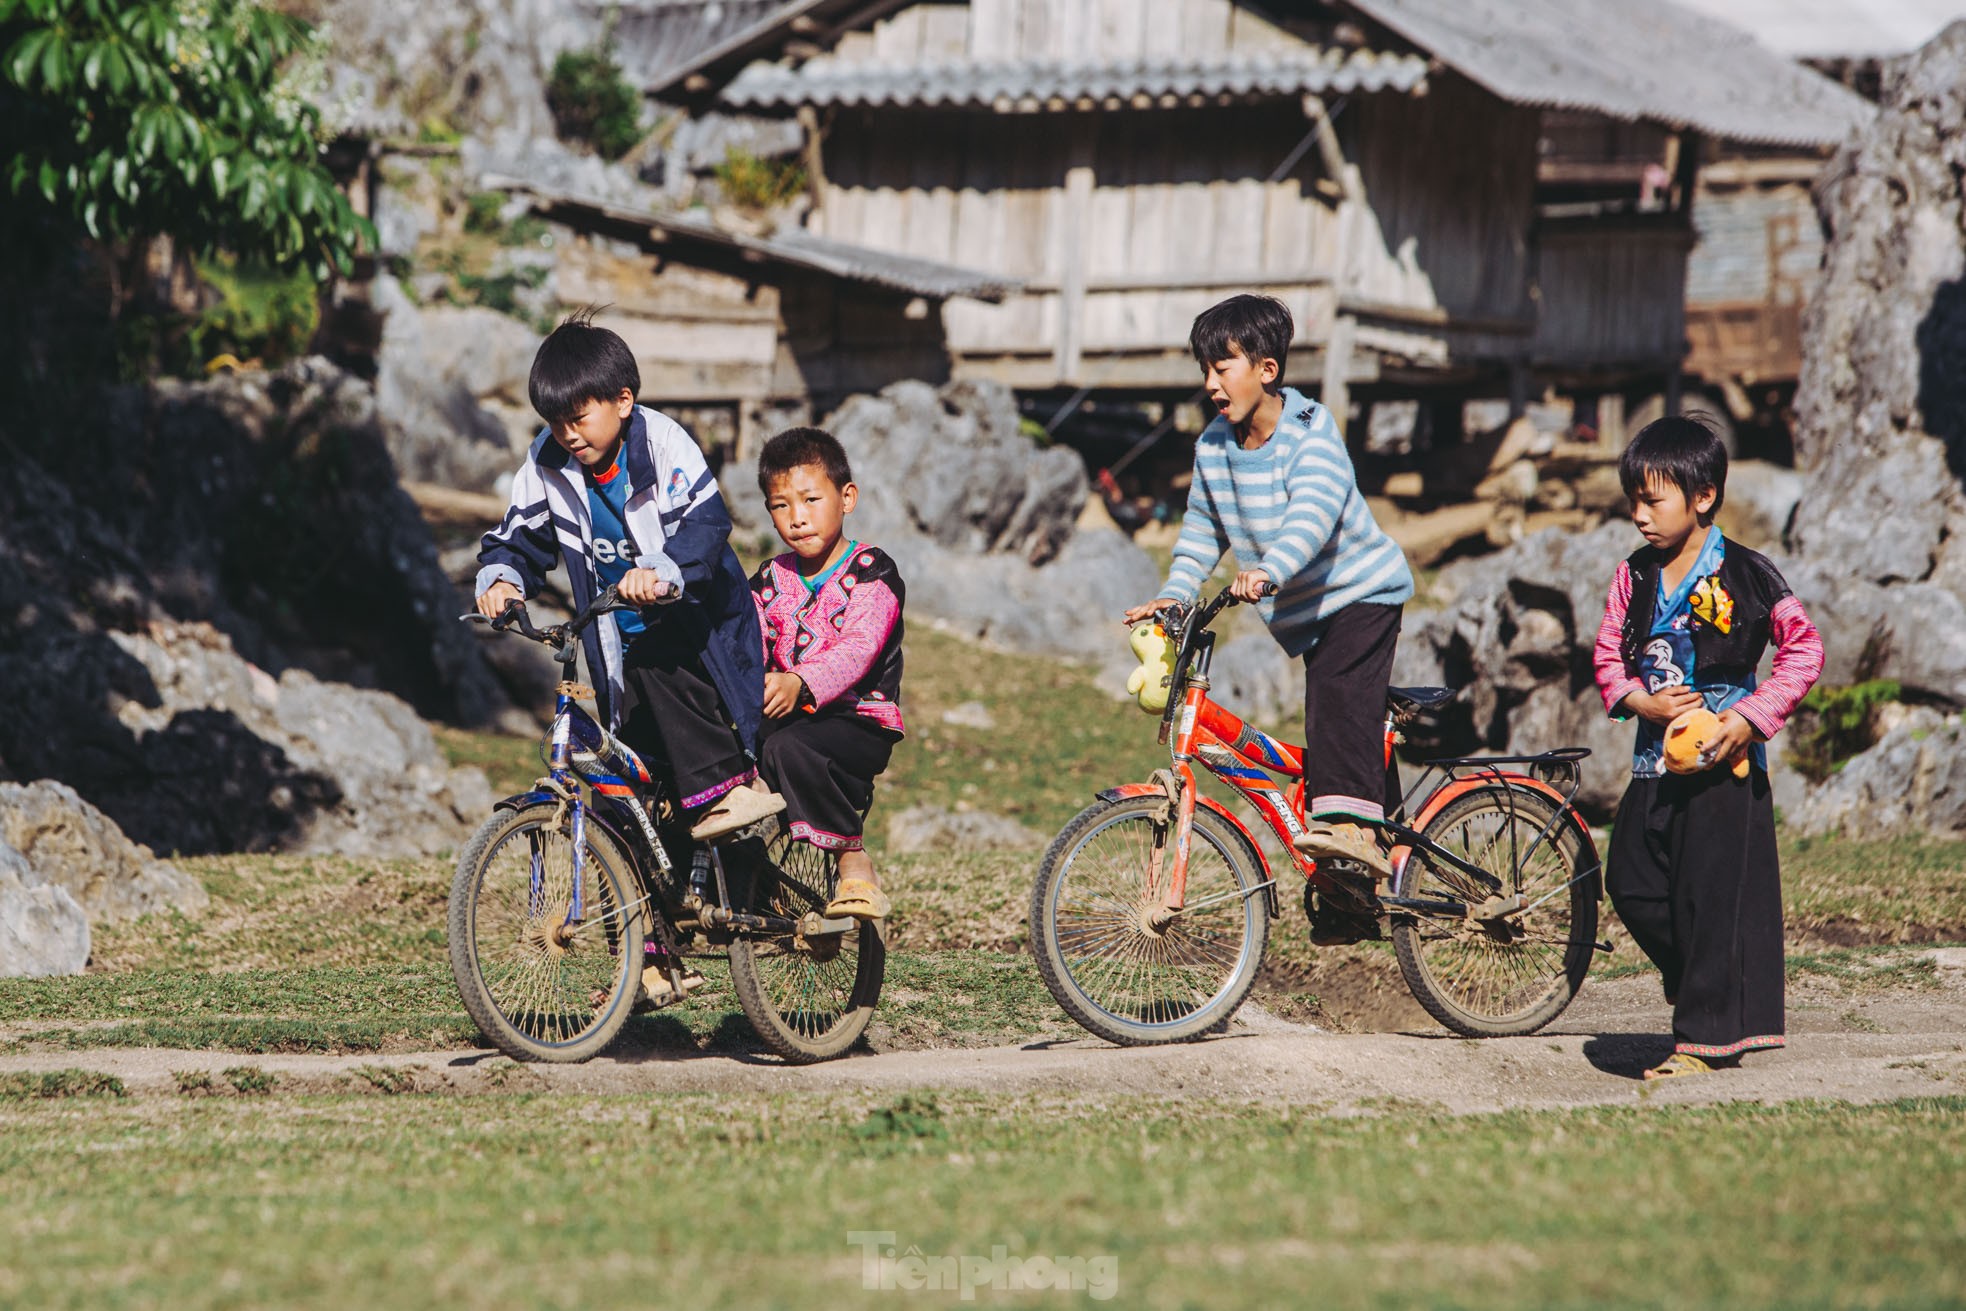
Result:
<point x="542" y="984"/>
<point x="1515" y="973"/>
<point x="809" y="997"/>
<point x="1122" y="977"/>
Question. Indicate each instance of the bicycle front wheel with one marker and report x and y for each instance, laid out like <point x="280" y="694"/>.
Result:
<point x="809" y="997"/>
<point x="547" y="964"/>
<point x="1103" y="951"/>
<point x="1512" y="974"/>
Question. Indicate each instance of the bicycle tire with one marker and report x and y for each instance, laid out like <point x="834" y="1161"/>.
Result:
<point x="773" y="975"/>
<point x="496" y="998"/>
<point x="1075" y="950"/>
<point x="1469" y="979"/>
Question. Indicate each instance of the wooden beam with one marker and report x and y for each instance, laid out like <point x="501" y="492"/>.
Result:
<point x="1075" y="240"/>
<point x="1244" y="280"/>
<point x="1334" y="393"/>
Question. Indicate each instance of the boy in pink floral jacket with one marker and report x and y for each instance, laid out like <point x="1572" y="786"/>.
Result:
<point x="830" y="608"/>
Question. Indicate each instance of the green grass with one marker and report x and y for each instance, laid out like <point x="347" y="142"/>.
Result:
<point x="943" y="999"/>
<point x="53" y="1085"/>
<point x="1910" y="889"/>
<point x="745" y="1200"/>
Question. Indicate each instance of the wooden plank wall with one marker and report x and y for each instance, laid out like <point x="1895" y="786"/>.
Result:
<point x="1613" y="293"/>
<point x="1173" y="213"/>
<point x="1451" y="179"/>
<point x="1060" y="29"/>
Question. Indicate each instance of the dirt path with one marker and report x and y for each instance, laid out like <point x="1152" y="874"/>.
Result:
<point x="1851" y="1045"/>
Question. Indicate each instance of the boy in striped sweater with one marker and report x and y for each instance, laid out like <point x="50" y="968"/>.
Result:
<point x="1273" y="484"/>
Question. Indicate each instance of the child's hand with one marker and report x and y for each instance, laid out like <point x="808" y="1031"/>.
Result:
<point x="493" y="600"/>
<point x="1146" y="610"/>
<point x="642" y="587"/>
<point x="782" y="693"/>
<point x="1665" y="705"/>
<point x="1251" y="585"/>
<point x="1730" y="742"/>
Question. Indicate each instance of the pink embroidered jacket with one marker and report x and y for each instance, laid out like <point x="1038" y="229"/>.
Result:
<point x="844" y="638"/>
<point x="1798" y="653"/>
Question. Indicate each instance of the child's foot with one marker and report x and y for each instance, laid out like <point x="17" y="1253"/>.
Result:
<point x="862" y="899"/>
<point x="1353" y="842"/>
<point x="1678" y="1065"/>
<point x="738" y="808"/>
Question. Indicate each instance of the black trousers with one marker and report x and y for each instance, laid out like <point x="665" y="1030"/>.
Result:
<point x="824" y="765"/>
<point x="671" y="713"/>
<point x="1695" y="876"/>
<point x="1345" y="679"/>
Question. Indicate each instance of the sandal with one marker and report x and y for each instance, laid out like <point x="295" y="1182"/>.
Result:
<point x="860" y="899"/>
<point x="1676" y="1066"/>
<point x="657" y="990"/>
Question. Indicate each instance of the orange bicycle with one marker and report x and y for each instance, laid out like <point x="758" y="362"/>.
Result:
<point x="1152" y="907"/>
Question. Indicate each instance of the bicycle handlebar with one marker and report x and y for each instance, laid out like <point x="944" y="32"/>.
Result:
<point x="1188" y="623"/>
<point x="514" y="617"/>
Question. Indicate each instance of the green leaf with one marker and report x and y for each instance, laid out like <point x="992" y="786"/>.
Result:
<point x="20" y="63"/>
<point x="54" y="64"/>
<point x="116" y="69"/>
<point x="92" y="66"/>
<point x="89" y="220"/>
<point x="48" y="180"/>
<point x="221" y="172"/>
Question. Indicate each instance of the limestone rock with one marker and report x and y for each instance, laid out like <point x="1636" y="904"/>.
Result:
<point x="932" y="828"/>
<point x="42" y="929"/>
<point x="70" y="844"/>
<point x="988" y="543"/>
<point x="1912" y="781"/>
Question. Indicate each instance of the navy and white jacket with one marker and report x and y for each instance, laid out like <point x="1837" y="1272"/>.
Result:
<point x="681" y="531"/>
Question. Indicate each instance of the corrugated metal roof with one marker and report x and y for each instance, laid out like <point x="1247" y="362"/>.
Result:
<point x="1629" y="59"/>
<point x="1836" y="29"/>
<point x="667" y="43"/>
<point x="1036" y="83"/>
<point x="791" y="246"/>
<point x="658" y="39"/>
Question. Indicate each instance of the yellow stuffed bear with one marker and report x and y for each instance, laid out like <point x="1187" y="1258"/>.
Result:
<point x="1687" y="737"/>
<point x="1152" y="681"/>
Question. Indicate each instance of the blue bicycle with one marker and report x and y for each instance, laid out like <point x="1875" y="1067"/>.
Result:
<point x="571" y="890"/>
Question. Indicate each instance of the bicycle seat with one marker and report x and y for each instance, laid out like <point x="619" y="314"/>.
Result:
<point x="1410" y="700"/>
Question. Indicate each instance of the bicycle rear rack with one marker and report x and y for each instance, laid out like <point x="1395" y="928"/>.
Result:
<point x="1561" y="768"/>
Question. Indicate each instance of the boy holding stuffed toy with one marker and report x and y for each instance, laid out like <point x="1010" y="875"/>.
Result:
<point x="1693" y="870"/>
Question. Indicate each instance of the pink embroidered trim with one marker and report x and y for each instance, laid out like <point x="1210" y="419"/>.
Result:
<point x="804" y="832"/>
<point x="1732" y="1048"/>
<point x="1798" y="663"/>
<point x="1607" y="660"/>
<point x="1372" y="811"/>
<point x="717" y="790"/>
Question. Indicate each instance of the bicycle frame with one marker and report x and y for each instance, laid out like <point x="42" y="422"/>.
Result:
<point x="1245" y="758"/>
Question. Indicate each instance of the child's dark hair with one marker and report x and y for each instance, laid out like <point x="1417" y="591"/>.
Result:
<point x="801" y="446"/>
<point x="1259" y="327"/>
<point x="1683" y="450"/>
<point x="580" y="362"/>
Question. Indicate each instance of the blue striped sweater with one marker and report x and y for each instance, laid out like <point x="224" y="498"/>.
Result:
<point x="1291" y="508"/>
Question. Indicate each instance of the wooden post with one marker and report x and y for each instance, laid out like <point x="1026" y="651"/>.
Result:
<point x="1336" y="389"/>
<point x="1073" y="246"/>
<point x="1611" y="421"/>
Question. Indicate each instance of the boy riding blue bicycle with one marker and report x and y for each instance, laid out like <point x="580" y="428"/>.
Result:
<point x="621" y="495"/>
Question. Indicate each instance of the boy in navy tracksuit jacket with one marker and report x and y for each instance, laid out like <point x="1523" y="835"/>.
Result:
<point x="621" y="495"/>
